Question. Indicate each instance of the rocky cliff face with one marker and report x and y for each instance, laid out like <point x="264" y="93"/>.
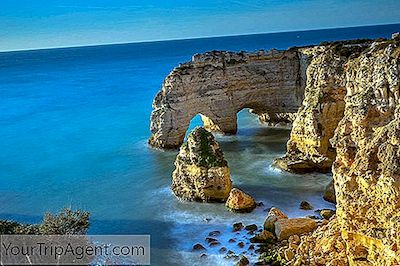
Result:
<point x="350" y="117"/>
<point x="367" y="167"/>
<point x="218" y="85"/>
<point x="366" y="230"/>
<point x="201" y="173"/>
<point x="309" y="148"/>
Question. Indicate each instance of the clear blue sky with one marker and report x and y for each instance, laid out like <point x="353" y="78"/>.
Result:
<point x="59" y="23"/>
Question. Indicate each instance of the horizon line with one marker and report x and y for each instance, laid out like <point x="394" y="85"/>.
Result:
<point x="190" y="38"/>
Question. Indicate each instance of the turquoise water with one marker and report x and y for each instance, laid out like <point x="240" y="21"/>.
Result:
<point x="74" y="125"/>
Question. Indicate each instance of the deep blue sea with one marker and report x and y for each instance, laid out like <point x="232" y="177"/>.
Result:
<point x="74" y="124"/>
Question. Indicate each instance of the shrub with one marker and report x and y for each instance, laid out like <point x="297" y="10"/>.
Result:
<point x="67" y="222"/>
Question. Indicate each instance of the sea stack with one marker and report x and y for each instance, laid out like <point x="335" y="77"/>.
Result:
<point x="202" y="173"/>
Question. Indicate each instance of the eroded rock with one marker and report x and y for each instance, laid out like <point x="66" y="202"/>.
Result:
<point x="274" y="215"/>
<point x="305" y="205"/>
<point x="218" y="85"/>
<point x="201" y="172"/>
<point x="366" y="228"/>
<point x="329" y="194"/>
<point x="309" y="148"/>
<point x="239" y="201"/>
<point x="284" y="228"/>
<point x="326" y="213"/>
<point x="263" y="237"/>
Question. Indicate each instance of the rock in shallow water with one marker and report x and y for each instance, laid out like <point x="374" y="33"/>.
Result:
<point x="304" y="205"/>
<point x="274" y="214"/>
<point x="326" y="213"/>
<point x="238" y="201"/>
<point x="329" y="194"/>
<point x="284" y="228"/>
<point x="198" y="247"/>
<point x="243" y="261"/>
<point x="201" y="172"/>
<point x="263" y="237"/>
<point x="237" y="227"/>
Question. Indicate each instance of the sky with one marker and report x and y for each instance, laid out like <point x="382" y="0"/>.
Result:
<point x="37" y="24"/>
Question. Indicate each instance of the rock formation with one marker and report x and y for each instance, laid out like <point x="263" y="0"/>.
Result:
<point x="201" y="173"/>
<point x="329" y="194"/>
<point x="284" y="228"/>
<point x="218" y="85"/>
<point x="308" y="148"/>
<point x="238" y="201"/>
<point x="274" y="215"/>
<point x="367" y="167"/>
<point x="349" y="121"/>
<point x="366" y="229"/>
<point x="274" y="119"/>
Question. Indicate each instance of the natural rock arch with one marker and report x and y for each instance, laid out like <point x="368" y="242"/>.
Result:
<point x="220" y="84"/>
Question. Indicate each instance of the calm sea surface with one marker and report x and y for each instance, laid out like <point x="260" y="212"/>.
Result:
<point x="74" y="125"/>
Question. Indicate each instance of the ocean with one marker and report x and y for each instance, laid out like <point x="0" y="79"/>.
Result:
<point x="74" y="124"/>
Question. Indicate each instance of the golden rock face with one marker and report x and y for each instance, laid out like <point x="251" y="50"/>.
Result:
<point x="240" y="201"/>
<point x="201" y="173"/>
<point x="309" y="148"/>
<point x="366" y="230"/>
<point x="367" y="167"/>
<point x="284" y="228"/>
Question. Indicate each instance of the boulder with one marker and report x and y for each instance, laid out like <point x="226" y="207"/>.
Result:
<point x="201" y="172"/>
<point x="326" y="213"/>
<point x="198" y="247"/>
<point x="237" y="227"/>
<point x="329" y="194"/>
<point x="274" y="214"/>
<point x="263" y="237"/>
<point x="243" y="261"/>
<point x="238" y="201"/>
<point x="284" y="228"/>
<point x="304" y="205"/>
<point x="251" y="227"/>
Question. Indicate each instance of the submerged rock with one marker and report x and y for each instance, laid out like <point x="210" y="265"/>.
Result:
<point x="239" y="201"/>
<point x="222" y="250"/>
<point x="201" y="172"/>
<point x="214" y="233"/>
<point x="210" y="239"/>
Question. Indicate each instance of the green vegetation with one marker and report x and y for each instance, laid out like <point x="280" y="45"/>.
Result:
<point x="202" y="143"/>
<point x="67" y="222"/>
<point x="272" y="256"/>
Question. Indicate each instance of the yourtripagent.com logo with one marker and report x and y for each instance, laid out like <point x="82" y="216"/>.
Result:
<point x="74" y="249"/>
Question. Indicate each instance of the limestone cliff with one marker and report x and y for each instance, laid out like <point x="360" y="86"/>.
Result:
<point x="366" y="169"/>
<point x="349" y="117"/>
<point x="218" y="85"/>
<point x="309" y="148"/>
<point x="201" y="173"/>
